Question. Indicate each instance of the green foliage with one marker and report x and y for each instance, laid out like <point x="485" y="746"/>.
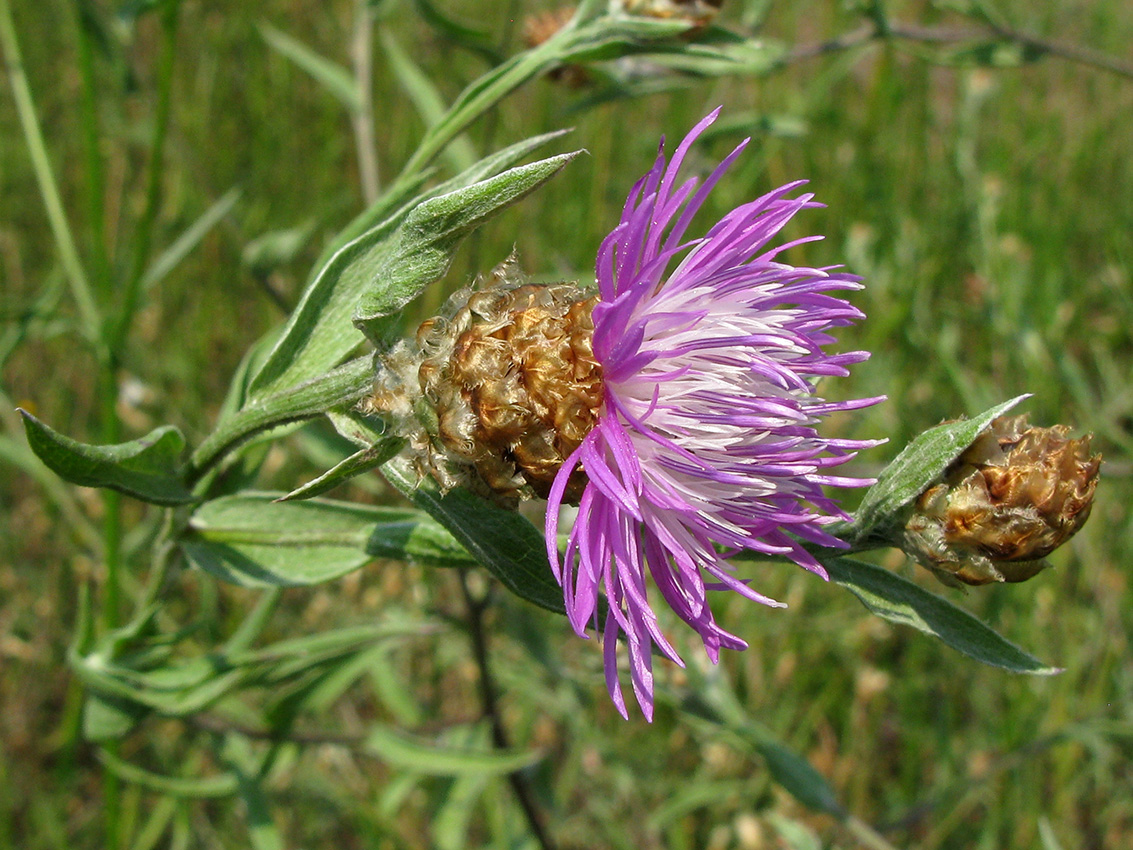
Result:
<point x="901" y="601"/>
<point x="257" y="540"/>
<point x="502" y="541"/>
<point x="367" y="275"/>
<point x="147" y="468"/>
<point x="421" y="248"/>
<point x="984" y="209"/>
<point x="919" y="465"/>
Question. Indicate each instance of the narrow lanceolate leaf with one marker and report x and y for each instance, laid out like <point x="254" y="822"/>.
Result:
<point x="441" y="759"/>
<point x="187" y="241"/>
<point x="147" y="468"/>
<point x="799" y="778"/>
<point x="318" y="334"/>
<point x="358" y="463"/>
<point x="913" y="471"/>
<point x="222" y="785"/>
<point x="504" y="542"/>
<point x="901" y="601"/>
<point x="253" y="539"/>
<point x="712" y="698"/>
<point x="330" y="75"/>
<point x="422" y="248"/>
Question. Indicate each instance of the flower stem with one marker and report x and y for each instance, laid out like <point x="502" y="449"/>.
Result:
<point x="143" y="236"/>
<point x="48" y="189"/>
<point x="519" y="784"/>
<point x="95" y="172"/>
<point x="362" y="119"/>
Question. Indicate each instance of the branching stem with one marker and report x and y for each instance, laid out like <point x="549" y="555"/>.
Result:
<point x="519" y="784"/>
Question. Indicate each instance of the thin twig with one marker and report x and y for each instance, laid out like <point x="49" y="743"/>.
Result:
<point x="854" y="38"/>
<point x="1070" y="52"/>
<point x="941" y="35"/>
<point x="129" y="296"/>
<point x="520" y="787"/>
<point x="362" y="57"/>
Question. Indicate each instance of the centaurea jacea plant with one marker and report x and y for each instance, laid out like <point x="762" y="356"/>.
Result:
<point x="677" y="408"/>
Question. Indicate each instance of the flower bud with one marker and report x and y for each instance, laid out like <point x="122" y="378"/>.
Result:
<point x="1013" y="497"/>
<point x="503" y="386"/>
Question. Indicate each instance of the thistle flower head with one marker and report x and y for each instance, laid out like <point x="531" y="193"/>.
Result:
<point x="676" y="407"/>
<point x="704" y="442"/>
<point x="1013" y="497"/>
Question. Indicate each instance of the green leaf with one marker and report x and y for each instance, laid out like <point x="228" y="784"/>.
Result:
<point x="189" y="240"/>
<point x="453" y="818"/>
<point x="422" y="248"/>
<point x="330" y="75"/>
<point x="249" y="767"/>
<point x="318" y="334"/>
<point x="797" y="776"/>
<point x="342" y="387"/>
<point x="504" y="542"/>
<point x="224" y="785"/>
<point x="901" y="601"/>
<point x="710" y="697"/>
<point x="143" y="680"/>
<point x="108" y="718"/>
<point x="919" y="465"/>
<point x="359" y="428"/>
<point x="255" y="540"/>
<point x="465" y="36"/>
<point x="419" y="755"/>
<point x="749" y="58"/>
<point x="426" y="98"/>
<point x="420" y="541"/>
<point x="358" y="463"/>
<point x="146" y="468"/>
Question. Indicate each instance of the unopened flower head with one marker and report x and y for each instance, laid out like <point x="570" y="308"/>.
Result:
<point x="676" y="407"/>
<point x="1013" y="497"/>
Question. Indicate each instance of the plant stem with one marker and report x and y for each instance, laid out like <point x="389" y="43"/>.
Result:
<point x="870" y="32"/>
<point x="519" y="784"/>
<point x="95" y="173"/>
<point x="866" y="834"/>
<point x="362" y="56"/>
<point x="48" y="189"/>
<point x="143" y="236"/>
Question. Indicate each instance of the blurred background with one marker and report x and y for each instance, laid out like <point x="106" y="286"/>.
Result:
<point x="984" y="192"/>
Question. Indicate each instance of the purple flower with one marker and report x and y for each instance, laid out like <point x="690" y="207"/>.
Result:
<point x="705" y="440"/>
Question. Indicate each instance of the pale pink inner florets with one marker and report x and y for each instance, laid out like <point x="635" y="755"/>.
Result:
<point x="705" y="441"/>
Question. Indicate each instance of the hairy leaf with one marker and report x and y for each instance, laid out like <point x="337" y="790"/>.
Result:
<point x="913" y="471"/>
<point x="254" y="539"/>
<point x="318" y="334"/>
<point x="147" y="468"/>
<point x="509" y="546"/>
<point x="422" y="248"/>
<point x="360" y="462"/>
<point x="901" y="601"/>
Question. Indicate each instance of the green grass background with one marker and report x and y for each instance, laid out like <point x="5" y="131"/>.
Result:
<point x="990" y="211"/>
